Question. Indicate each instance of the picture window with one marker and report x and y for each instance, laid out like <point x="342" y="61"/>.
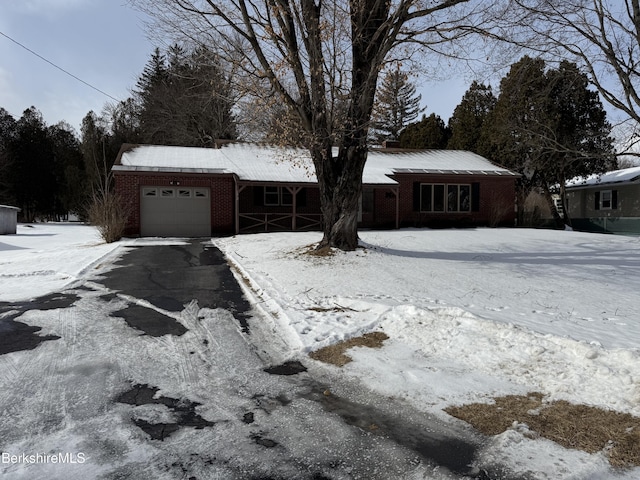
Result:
<point x="445" y="198"/>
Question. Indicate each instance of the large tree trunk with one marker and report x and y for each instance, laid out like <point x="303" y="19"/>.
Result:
<point x="340" y="183"/>
<point x="340" y="178"/>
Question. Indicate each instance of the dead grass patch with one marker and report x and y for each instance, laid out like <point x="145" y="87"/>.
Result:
<point x="335" y="354"/>
<point x="314" y="251"/>
<point x="582" y="427"/>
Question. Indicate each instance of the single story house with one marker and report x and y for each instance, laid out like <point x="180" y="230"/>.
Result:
<point x="244" y="187"/>
<point x="608" y="203"/>
<point x="8" y="219"/>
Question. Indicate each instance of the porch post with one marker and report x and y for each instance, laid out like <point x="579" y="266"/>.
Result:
<point x="294" y="206"/>
<point x="237" y="205"/>
<point x="396" y="192"/>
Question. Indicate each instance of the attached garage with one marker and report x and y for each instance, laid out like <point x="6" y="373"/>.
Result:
<point x="243" y="187"/>
<point x="175" y="211"/>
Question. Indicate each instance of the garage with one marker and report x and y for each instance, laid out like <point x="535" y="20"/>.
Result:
<point x="175" y="211"/>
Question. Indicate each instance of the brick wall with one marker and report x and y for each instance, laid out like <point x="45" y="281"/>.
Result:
<point x="496" y="201"/>
<point x="222" y="196"/>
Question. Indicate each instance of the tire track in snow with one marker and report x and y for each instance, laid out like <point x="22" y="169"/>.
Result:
<point x="54" y="391"/>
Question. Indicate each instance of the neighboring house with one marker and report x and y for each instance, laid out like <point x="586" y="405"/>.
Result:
<point x="607" y="203"/>
<point x="8" y="219"/>
<point x="242" y="187"/>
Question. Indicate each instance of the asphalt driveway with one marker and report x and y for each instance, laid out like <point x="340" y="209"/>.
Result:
<point x="149" y="369"/>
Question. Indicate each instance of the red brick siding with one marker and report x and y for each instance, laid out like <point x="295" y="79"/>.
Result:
<point x="222" y="197"/>
<point x="497" y="194"/>
<point x="384" y="209"/>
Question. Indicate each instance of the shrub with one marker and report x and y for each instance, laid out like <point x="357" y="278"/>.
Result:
<point x="109" y="213"/>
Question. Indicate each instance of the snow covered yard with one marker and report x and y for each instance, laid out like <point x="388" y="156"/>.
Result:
<point x="471" y="315"/>
<point x="44" y="257"/>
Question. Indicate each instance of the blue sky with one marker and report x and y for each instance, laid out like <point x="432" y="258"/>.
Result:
<point x="102" y="42"/>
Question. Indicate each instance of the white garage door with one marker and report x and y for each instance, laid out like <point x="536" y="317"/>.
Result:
<point x="175" y="212"/>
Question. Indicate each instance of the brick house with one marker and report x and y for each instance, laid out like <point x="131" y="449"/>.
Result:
<point x="241" y="187"/>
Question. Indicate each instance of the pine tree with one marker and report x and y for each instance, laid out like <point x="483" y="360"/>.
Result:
<point x="548" y="126"/>
<point x="468" y="117"/>
<point x="32" y="170"/>
<point x="72" y="189"/>
<point x="8" y="131"/>
<point x="429" y="132"/>
<point x="185" y="100"/>
<point x="396" y="106"/>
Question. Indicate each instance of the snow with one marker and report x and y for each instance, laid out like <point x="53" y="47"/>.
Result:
<point x="617" y="176"/>
<point x="43" y="258"/>
<point x="251" y="162"/>
<point x="471" y="314"/>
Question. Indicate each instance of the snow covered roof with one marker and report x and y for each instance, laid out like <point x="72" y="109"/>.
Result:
<point x="259" y="163"/>
<point x="626" y="175"/>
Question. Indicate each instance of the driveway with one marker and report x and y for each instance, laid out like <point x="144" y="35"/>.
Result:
<point x="153" y="368"/>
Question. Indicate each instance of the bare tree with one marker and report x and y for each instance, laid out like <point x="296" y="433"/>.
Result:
<point x="316" y="57"/>
<point x="601" y="36"/>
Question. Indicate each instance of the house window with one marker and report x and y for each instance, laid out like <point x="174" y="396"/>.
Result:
<point x="276" y="196"/>
<point x="272" y="196"/>
<point x="445" y="198"/>
<point x="606" y="200"/>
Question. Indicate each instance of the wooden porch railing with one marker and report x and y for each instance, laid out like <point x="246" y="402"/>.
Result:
<point x="278" y="222"/>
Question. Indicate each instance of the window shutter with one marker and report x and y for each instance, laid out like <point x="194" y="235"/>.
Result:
<point x="614" y="199"/>
<point x="258" y="196"/>
<point x="416" y="196"/>
<point x="475" y="197"/>
<point x="597" y="204"/>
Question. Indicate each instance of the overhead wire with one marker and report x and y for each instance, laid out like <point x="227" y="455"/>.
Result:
<point x="58" y="67"/>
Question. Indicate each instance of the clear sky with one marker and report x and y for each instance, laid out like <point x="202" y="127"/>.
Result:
<point x="103" y="43"/>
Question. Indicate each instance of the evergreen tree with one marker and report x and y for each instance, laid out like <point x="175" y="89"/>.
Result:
<point x="71" y="177"/>
<point x="469" y="116"/>
<point x="32" y="171"/>
<point x="548" y="126"/>
<point x="8" y="131"/>
<point x="185" y="100"/>
<point x="396" y="106"/>
<point x="429" y="132"/>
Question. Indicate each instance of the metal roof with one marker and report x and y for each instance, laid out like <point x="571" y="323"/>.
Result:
<point x="259" y="163"/>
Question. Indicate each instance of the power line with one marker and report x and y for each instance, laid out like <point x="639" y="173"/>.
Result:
<point x="59" y="68"/>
